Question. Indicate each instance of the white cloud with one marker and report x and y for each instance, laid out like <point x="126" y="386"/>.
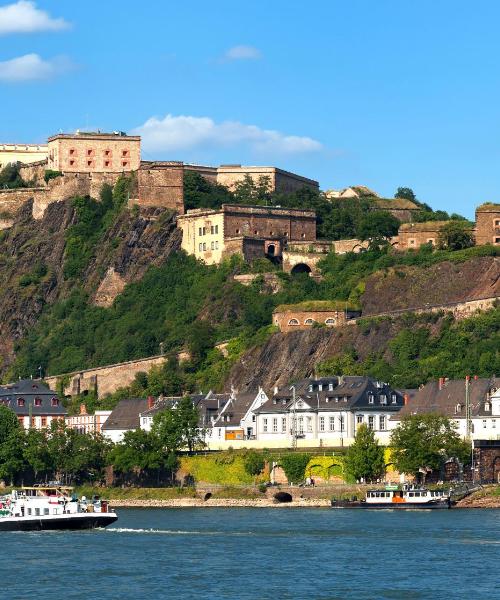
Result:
<point x="242" y="53"/>
<point x="31" y="67"/>
<point x="24" y="17"/>
<point x="174" y="133"/>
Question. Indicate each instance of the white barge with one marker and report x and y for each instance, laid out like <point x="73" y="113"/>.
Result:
<point x="392" y="497"/>
<point x="52" y="507"/>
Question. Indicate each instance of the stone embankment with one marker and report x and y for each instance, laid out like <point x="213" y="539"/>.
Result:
<point x="221" y="503"/>
<point x="488" y="497"/>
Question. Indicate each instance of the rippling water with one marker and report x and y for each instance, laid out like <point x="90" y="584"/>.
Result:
<point x="259" y="554"/>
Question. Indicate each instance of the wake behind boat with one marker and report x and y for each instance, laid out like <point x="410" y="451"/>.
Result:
<point x="52" y="507"/>
<point x="391" y="497"/>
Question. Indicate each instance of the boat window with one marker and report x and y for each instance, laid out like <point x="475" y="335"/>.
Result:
<point x="411" y="494"/>
<point x="55" y="511"/>
<point x="37" y="512"/>
<point x="45" y="511"/>
<point x="29" y="511"/>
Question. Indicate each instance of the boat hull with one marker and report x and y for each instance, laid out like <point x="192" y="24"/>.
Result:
<point x="63" y="522"/>
<point x="392" y="505"/>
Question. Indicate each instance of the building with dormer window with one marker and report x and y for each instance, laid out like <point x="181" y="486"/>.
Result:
<point x="328" y="410"/>
<point x="34" y="403"/>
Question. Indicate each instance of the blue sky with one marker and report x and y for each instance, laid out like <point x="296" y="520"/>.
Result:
<point x="385" y="94"/>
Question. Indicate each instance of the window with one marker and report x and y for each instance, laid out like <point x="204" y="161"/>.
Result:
<point x="309" y="424"/>
<point x="411" y="242"/>
<point x="383" y="399"/>
<point x="200" y="246"/>
<point x="90" y="152"/>
<point x="283" y="424"/>
<point x="204" y="246"/>
<point x="322" y="423"/>
<point x="124" y="163"/>
<point x="237" y="231"/>
<point x="54" y="402"/>
<point x="200" y="231"/>
<point x="345" y="398"/>
<point x="90" y="163"/>
<point x="33" y="421"/>
<point x="29" y="511"/>
<point x="45" y="511"/>
<point x="216" y="244"/>
<point x="265" y="425"/>
<point x="487" y="406"/>
<point x="71" y="163"/>
<point x="301" y="424"/>
<point x="484" y="424"/>
<point x="125" y="153"/>
<point x="107" y="163"/>
<point x="371" y="422"/>
<point x="394" y="399"/>
<point x="275" y="425"/>
<point x="293" y="322"/>
<point x="382" y="423"/>
<point x="332" y="423"/>
<point x="212" y="245"/>
<point x="38" y="402"/>
<point x="107" y="152"/>
<point x="493" y="423"/>
<point x="371" y="399"/>
<point x="497" y="222"/>
<point x="309" y="322"/>
<point x="72" y="152"/>
<point x="320" y="387"/>
<point x="256" y="232"/>
<point x="20" y="402"/>
<point x="330" y="322"/>
<point x="359" y="419"/>
<point x="330" y="387"/>
<point x="341" y="421"/>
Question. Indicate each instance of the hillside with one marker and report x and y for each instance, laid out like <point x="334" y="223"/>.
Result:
<point x="96" y="282"/>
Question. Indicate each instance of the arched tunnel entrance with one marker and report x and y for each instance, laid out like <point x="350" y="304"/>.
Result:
<point x="300" y="268"/>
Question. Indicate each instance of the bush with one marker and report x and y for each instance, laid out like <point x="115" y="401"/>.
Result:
<point x="294" y="466"/>
<point x="51" y="174"/>
<point x="254" y="463"/>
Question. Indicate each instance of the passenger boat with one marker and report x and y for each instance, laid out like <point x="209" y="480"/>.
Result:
<point x="392" y="497"/>
<point x="52" y="507"/>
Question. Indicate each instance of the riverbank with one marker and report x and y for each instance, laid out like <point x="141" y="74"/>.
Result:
<point x="487" y="497"/>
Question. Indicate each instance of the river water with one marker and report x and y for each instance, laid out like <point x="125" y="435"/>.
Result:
<point x="276" y="553"/>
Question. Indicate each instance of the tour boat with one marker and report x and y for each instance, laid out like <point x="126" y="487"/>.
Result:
<point x="408" y="497"/>
<point x="52" y="507"/>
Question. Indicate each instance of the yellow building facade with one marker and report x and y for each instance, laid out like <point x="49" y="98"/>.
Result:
<point x="23" y="153"/>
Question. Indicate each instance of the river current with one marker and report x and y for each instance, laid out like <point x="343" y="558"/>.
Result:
<point x="283" y="553"/>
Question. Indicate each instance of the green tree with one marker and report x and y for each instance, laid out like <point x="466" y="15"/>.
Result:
<point x="139" y="450"/>
<point x="249" y="191"/>
<point x="199" y="192"/>
<point x="8" y="423"/>
<point x="365" y="458"/>
<point x="178" y="427"/>
<point x="254" y="463"/>
<point x="406" y="193"/>
<point x="377" y="227"/>
<point x="426" y="441"/>
<point x="455" y="235"/>
<point x="12" y="461"/>
<point x="10" y="177"/>
<point x="294" y="466"/>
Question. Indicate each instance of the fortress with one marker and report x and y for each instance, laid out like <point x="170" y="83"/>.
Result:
<point x="79" y="164"/>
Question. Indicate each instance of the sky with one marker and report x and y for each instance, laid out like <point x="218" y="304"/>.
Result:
<point x="354" y="92"/>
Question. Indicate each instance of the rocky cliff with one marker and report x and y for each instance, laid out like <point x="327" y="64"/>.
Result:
<point x="32" y="257"/>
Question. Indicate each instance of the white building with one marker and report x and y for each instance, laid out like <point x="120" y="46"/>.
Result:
<point x="327" y="411"/>
<point x="449" y="398"/>
<point x="87" y="423"/>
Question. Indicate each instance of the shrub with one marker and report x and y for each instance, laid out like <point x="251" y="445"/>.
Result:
<point x="294" y="466"/>
<point x="254" y="463"/>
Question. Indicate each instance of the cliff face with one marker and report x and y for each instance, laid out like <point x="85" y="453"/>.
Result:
<point x="32" y="261"/>
<point x="413" y="287"/>
<point x="288" y="357"/>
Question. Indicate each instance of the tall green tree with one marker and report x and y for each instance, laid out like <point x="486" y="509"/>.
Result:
<point x="365" y="458"/>
<point x="8" y="423"/>
<point x="423" y="442"/>
<point x="406" y="193"/>
<point x="178" y="427"/>
<point x="377" y="227"/>
<point x="455" y="235"/>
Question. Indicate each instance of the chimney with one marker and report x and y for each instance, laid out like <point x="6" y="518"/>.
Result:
<point x="151" y="401"/>
<point x="83" y="409"/>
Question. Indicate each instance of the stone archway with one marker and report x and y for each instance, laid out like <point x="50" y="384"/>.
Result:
<point x="271" y="250"/>
<point x="301" y="268"/>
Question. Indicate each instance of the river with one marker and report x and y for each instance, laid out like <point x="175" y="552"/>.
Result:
<point x="278" y="553"/>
